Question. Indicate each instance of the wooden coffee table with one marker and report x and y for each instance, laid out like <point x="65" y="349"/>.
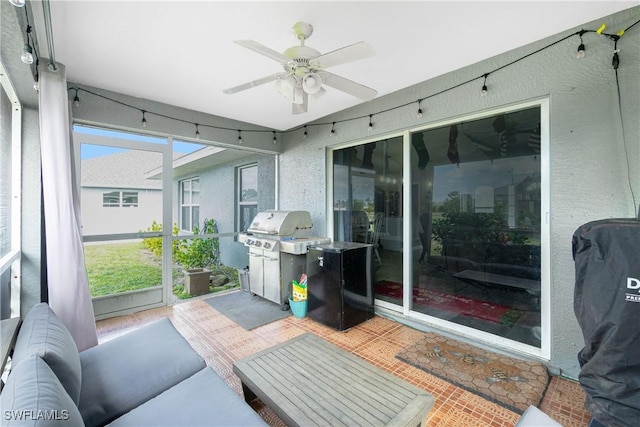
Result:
<point x="308" y="381"/>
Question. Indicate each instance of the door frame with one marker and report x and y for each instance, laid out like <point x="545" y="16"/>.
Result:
<point x="157" y="296"/>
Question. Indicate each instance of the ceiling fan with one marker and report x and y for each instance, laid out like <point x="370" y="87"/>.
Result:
<point x="305" y="70"/>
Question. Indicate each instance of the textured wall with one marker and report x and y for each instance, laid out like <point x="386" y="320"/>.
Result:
<point x="592" y="172"/>
<point x="30" y="293"/>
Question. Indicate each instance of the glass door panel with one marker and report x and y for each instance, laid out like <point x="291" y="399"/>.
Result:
<point x="476" y="196"/>
<point x="367" y="208"/>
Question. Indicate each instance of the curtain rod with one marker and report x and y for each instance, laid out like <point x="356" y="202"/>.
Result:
<point x="47" y="23"/>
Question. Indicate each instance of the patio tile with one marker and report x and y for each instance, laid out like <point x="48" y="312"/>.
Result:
<point x="220" y="342"/>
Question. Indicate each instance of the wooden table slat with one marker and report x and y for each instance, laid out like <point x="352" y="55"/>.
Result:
<point x="336" y="370"/>
<point x="350" y="402"/>
<point x="308" y="381"/>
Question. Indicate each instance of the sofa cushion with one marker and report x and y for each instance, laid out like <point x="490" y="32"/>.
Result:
<point x="127" y="371"/>
<point x="33" y="396"/>
<point x="201" y="400"/>
<point x="42" y="333"/>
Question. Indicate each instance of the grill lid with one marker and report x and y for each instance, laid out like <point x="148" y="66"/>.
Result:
<point x="282" y="223"/>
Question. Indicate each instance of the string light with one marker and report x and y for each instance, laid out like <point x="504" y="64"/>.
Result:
<point x="275" y="141"/>
<point x="615" y="62"/>
<point x="144" y="119"/>
<point x="76" y="101"/>
<point x="197" y="132"/>
<point x="27" y="51"/>
<point x="484" y="90"/>
<point x="18" y="3"/>
<point x="581" y="49"/>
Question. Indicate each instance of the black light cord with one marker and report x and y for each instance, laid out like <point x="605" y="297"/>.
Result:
<point x="624" y="143"/>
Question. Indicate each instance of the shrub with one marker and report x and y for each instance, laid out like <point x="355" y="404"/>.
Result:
<point x="199" y="252"/>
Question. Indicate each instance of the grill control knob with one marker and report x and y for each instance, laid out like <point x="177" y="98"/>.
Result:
<point x="267" y="245"/>
<point x="258" y="243"/>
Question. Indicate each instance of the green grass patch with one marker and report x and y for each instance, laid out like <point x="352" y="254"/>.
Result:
<point x="120" y="267"/>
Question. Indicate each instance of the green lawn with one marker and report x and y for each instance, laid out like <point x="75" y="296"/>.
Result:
<point x="120" y="267"/>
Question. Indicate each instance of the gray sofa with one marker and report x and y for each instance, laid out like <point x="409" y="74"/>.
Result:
<point x="147" y="377"/>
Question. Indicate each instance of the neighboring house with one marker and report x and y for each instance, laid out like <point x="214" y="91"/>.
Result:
<point x="115" y="194"/>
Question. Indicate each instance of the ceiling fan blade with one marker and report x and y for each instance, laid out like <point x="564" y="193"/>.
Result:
<point x="253" y="83"/>
<point x="301" y="108"/>
<point x="263" y="50"/>
<point x="352" y="88"/>
<point x="343" y="55"/>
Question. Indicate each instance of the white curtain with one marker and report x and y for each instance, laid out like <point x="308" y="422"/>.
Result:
<point x="69" y="294"/>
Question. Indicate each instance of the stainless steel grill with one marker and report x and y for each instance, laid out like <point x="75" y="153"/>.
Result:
<point x="278" y="243"/>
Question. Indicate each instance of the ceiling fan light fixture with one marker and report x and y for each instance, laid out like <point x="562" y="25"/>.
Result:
<point x="312" y="83"/>
<point x="286" y="86"/>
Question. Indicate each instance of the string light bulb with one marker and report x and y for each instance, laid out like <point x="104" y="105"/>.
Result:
<point x="18" y="3"/>
<point x="581" y="50"/>
<point x="27" y="51"/>
<point x="27" y="54"/>
<point x="304" y="135"/>
<point x="197" y="132"/>
<point x="144" y="119"/>
<point x="76" y="100"/>
<point x="484" y="90"/>
<point x="239" y="136"/>
<point x="419" y="113"/>
<point x="333" y="132"/>
<point x="275" y="140"/>
<point x="370" y="123"/>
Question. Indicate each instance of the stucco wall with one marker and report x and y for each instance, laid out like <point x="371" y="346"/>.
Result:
<point x="30" y="293"/>
<point x="218" y="197"/>
<point x="593" y="167"/>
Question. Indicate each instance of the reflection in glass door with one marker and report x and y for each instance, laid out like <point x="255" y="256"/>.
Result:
<point x="476" y="197"/>
<point x="367" y="208"/>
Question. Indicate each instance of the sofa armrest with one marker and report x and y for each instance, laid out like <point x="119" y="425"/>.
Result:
<point x="127" y="371"/>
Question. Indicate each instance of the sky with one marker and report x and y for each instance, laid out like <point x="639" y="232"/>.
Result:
<point x="89" y="150"/>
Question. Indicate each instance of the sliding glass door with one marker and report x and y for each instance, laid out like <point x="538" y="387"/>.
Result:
<point x="477" y="193"/>
<point x="465" y="251"/>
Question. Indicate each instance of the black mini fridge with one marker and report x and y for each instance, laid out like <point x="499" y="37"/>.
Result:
<point x="339" y="287"/>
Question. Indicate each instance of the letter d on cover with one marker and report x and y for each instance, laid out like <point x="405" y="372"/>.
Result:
<point x="633" y="283"/>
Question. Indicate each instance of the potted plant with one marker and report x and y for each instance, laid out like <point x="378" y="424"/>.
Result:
<point x="196" y="255"/>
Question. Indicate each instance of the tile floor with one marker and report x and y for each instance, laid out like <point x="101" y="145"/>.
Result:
<point x="220" y="342"/>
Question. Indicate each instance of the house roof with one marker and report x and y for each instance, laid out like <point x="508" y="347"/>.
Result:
<point x="126" y="169"/>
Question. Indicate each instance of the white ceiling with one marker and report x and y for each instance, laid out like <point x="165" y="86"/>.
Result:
<point x="182" y="52"/>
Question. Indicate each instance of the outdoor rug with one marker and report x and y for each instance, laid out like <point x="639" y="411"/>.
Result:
<point x="512" y="383"/>
<point x="247" y="310"/>
<point x="461" y="305"/>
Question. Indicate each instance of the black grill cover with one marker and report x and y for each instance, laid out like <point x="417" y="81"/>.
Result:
<point x="607" y="306"/>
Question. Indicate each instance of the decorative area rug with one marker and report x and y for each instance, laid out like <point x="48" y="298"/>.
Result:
<point x="247" y="310"/>
<point x="483" y="310"/>
<point x="512" y="383"/>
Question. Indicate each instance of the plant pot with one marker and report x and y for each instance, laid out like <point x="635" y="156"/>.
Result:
<point x="196" y="281"/>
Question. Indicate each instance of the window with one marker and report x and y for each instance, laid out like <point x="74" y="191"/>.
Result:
<point x="116" y="199"/>
<point x="189" y="204"/>
<point x="247" y="196"/>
